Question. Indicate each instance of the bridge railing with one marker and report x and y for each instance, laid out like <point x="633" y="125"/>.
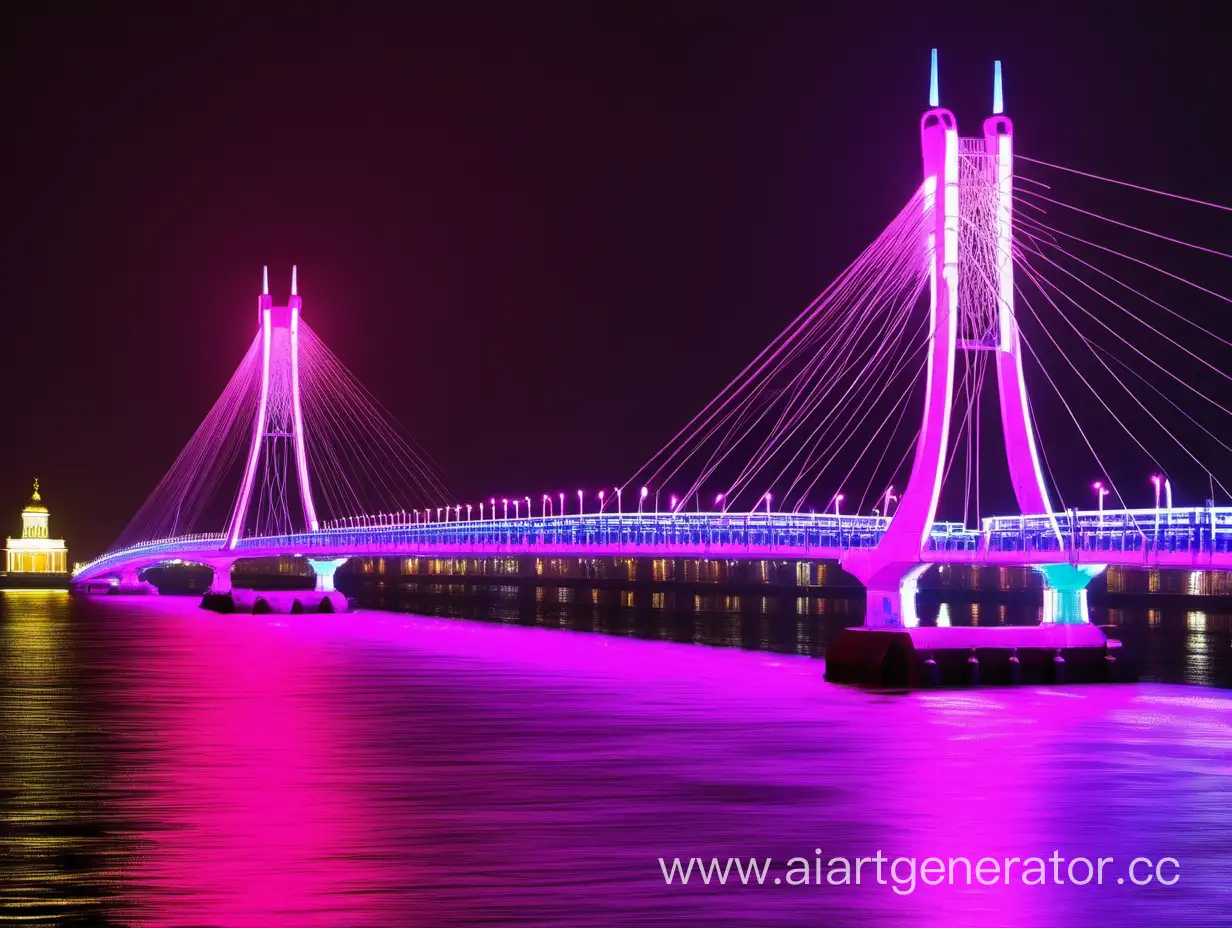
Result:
<point x="182" y="544"/>
<point x="1195" y="531"/>
<point x="609" y="531"/>
<point x="1191" y="530"/>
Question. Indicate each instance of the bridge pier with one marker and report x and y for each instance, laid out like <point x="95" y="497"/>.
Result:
<point x="890" y="597"/>
<point x="325" y="568"/>
<point x="221" y="583"/>
<point x="891" y="649"/>
<point x="130" y="584"/>
<point x="1065" y="591"/>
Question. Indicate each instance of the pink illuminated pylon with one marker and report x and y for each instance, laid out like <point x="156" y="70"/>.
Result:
<point x="279" y="411"/>
<point x="891" y="569"/>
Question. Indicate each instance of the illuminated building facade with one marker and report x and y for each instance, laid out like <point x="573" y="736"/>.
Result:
<point x="35" y="552"/>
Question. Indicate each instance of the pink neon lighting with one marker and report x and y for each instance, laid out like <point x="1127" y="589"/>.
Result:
<point x="258" y="430"/>
<point x="301" y="453"/>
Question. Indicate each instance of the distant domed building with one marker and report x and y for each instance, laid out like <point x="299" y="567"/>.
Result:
<point x="35" y="552"/>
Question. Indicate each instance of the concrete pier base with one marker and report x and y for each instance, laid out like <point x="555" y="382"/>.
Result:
<point x="130" y="583"/>
<point x="275" y="601"/>
<point x="1001" y="655"/>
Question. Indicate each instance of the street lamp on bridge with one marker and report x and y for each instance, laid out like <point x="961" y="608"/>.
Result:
<point x="838" y="498"/>
<point x="619" y="510"/>
<point x="672" y="505"/>
<point x="1161" y="481"/>
<point x="641" y="501"/>
<point x="718" y="503"/>
<point x="547" y="505"/>
<point x="1101" y="491"/>
<point x="767" y="503"/>
<point x="505" y="500"/>
<point x="562" y="504"/>
<point x="516" y="504"/>
<point x="527" y="498"/>
<point x="889" y="498"/>
<point x="581" y="504"/>
<point x="600" y="502"/>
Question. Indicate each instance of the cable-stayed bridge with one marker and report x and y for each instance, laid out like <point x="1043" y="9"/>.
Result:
<point x="882" y="382"/>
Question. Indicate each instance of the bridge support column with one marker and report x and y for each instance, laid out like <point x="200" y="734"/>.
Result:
<point x="890" y="587"/>
<point x="130" y="582"/>
<point x="222" y="574"/>
<point x="1065" y="592"/>
<point x="890" y="600"/>
<point x="325" y="568"/>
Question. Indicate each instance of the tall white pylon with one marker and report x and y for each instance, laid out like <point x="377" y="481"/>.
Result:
<point x="279" y="414"/>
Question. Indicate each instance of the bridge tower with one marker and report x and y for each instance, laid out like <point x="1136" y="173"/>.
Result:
<point x="279" y="417"/>
<point x="968" y="206"/>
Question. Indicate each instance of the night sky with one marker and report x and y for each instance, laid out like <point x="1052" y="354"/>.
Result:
<point x="543" y="237"/>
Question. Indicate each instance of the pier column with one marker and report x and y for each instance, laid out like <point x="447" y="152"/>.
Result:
<point x="890" y="601"/>
<point x="130" y="582"/>
<point x="222" y="574"/>
<point x="325" y="568"/>
<point x="1065" y="591"/>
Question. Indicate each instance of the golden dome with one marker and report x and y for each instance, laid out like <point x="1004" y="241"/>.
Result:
<point x="36" y="501"/>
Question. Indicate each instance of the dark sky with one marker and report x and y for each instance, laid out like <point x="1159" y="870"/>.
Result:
<point x="542" y="236"/>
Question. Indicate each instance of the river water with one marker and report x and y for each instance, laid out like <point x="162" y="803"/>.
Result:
<point x="162" y="765"/>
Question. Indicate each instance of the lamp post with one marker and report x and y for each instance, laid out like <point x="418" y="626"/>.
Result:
<point x="718" y="504"/>
<point x="527" y="498"/>
<point x="838" y="498"/>
<point x="619" y="510"/>
<point x="492" y="503"/>
<point x="506" y="502"/>
<point x="672" y="506"/>
<point x="481" y="511"/>
<point x="1101" y="491"/>
<point x="562" y="504"/>
<point x="1159" y="485"/>
<point x="457" y="513"/>
<point x="547" y="504"/>
<point x="889" y="498"/>
<point x="581" y="503"/>
<point x="468" y="512"/>
<point x="516" y="503"/>
<point x="641" y="500"/>
<point x="767" y="503"/>
<point x="600" y="502"/>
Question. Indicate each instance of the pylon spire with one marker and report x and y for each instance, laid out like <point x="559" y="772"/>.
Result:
<point x="934" y="90"/>
<point x="998" y="102"/>
<point x="294" y="281"/>
<point x="265" y="280"/>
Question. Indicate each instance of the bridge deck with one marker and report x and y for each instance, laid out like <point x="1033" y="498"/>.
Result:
<point x="1197" y="538"/>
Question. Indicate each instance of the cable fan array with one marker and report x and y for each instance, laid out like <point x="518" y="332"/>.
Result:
<point x="1134" y="351"/>
<point x="358" y="460"/>
<point x="823" y="404"/>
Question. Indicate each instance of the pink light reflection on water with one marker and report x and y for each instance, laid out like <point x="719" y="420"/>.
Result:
<point x="382" y="769"/>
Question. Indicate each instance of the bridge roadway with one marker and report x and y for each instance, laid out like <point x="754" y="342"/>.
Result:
<point x="1191" y="538"/>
